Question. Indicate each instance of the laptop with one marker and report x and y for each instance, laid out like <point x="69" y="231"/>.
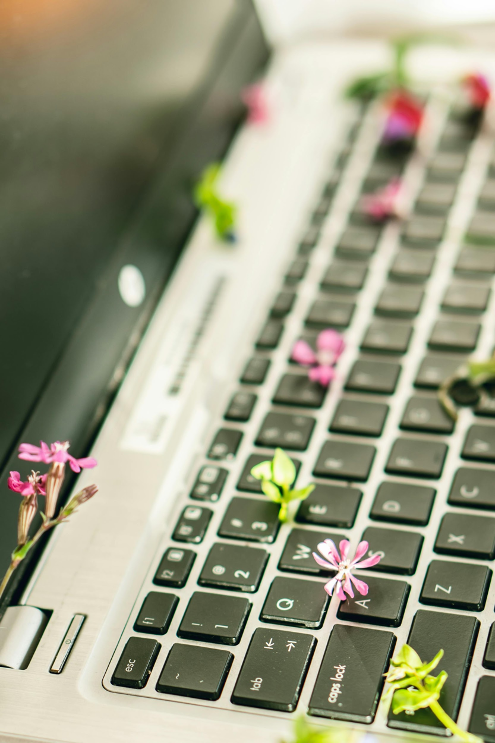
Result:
<point x="176" y="605"/>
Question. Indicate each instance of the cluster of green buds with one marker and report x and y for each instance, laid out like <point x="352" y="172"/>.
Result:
<point x="277" y="477"/>
<point x="223" y="213"/>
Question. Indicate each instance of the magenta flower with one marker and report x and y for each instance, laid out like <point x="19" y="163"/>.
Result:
<point x="404" y="117"/>
<point x="57" y="452"/>
<point x="344" y="580"/>
<point x="382" y="204"/>
<point x="254" y="97"/>
<point x="35" y="484"/>
<point x="477" y="89"/>
<point x="329" y="346"/>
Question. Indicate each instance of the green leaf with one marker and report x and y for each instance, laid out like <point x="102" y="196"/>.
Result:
<point x="262" y="471"/>
<point x="368" y="86"/>
<point x="271" y="491"/>
<point x="402" y="683"/>
<point x="435" y="683"/>
<point x="426" y="668"/>
<point x="410" y="700"/>
<point x="283" y="468"/>
<point x="300" y="494"/>
<point x="408" y="656"/>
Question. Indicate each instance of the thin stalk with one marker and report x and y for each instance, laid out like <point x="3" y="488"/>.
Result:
<point x="283" y="513"/>
<point x="451" y="725"/>
<point x="6" y="577"/>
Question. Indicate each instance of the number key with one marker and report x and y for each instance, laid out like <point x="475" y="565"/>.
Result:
<point x="253" y="520"/>
<point x="234" y="568"/>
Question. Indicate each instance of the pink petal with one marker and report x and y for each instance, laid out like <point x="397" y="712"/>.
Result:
<point x="323" y="563"/>
<point x="330" y="586"/>
<point x="361" y="586"/>
<point x="369" y="562"/>
<point x="328" y="549"/>
<point x="361" y="550"/>
<point x="302" y="353"/>
<point x="45" y="448"/>
<point x="72" y="462"/>
<point x="14" y="482"/>
<point x="322" y="374"/>
<point x="30" y="457"/>
<point x="29" y="449"/>
<point x="330" y="340"/>
<point x="87" y="463"/>
<point x="347" y="587"/>
<point x="344" y="548"/>
<point x="340" y="592"/>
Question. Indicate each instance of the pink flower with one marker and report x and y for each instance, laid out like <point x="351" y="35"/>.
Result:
<point x="35" y="484"/>
<point x="344" y="580"/>
<point x="477" y="89"/>
<point x="254" y="97"/>
<point x="404" y="117"/>
<point x="329" y="346"/>
<point x="57" y="452"/>
<point x="382" y="204"/>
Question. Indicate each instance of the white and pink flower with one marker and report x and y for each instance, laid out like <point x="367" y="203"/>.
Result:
<point x="344" y="580"/>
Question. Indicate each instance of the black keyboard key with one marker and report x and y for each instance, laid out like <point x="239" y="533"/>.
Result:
<point x="240" y="407"/>
<point x="387" y="337"/>
<point x="481" y="229"/>
<point x="486" y="199"/>
<point x="358" y="243"/>
<point x="286" y="431"/>
<point x="156" y="613"/>
<point x="297" y="556"/>
<point x="473" y="488"/>
<point x="252" y="520"/>
<point x="136" y="663"/>
<point x="402" y="503"/>
<point x="192" y="525"/>
<point x="457" y="585"/>
<point x="212" y="617"/>
<point x="412" y="265"/>
<point x="480" y="444"/>
<point x="225" y="444"/>
<point x="436" y="198"/>
<point x="360" y="418"/>
<point x="296" y="271"/>
<point x="255" y="370"/>
<point x="297" y="389"/>
<point x="475" y="262"/>
<point x="345" y="461"/>
<point x="234" y="568"/>
<point x="300" y="603"/>
<point x="381" y="173"/>
<point x="426" y="414"/>
<point x="446" y="166"/>
<point x="452" y="335"/>
<point x="399" y="550"/>
<point x="466" y="536"/>
<point x="330" y="505"/>
<point x="482" y="722"/>
<point x="456" y="634"/>
<point x="274" y="670"/>
<point x="249" y="483"/>
<point x="209" y="483"/>
<point x="384" y="603"/>
<point x="424" y="231"/>
<point x="194" y="671"/>
<point x="327" y="313"/>
<point x="284" y="302"/>
<point x="485" y="407"/>
<point x="416" y="458"/>
<point x="489" y="656"/>
<point x="174" y="568"/>
<point x="466" y="298"/>
<point x="435" y="369"/>
<point x="379" y="377"/>
<point x="341" y="276"/>
<point x="351" y="679"/>
<point x="270" y="335"/>
<point x="312" y="234"/>
<point x="397" y="300"/>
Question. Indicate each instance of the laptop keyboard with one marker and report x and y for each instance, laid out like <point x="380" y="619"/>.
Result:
<point x="234" y="611"/>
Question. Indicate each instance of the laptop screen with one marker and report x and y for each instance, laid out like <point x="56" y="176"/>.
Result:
<point x="109" y="111"/>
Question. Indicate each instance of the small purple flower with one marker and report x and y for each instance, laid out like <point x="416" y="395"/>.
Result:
<point x="329" y="346"/>
<point x="344" y="580"/>
<point x="56" y="452"/>
<point x="382" y="204"/>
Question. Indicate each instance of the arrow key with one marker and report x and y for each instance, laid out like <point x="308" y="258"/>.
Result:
<point x="301" y="603"/>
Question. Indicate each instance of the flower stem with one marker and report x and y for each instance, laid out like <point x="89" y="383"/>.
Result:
<point x="283" y="513"/>
<point x="6" y="577"/>
<point x="451" y="725"/>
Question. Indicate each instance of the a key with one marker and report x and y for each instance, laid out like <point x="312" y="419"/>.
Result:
<point x="240" y="407"/>
<point x="489" y="656"/>
<point x="387" y="337"/>
<point x="284" y="302"/>
<point x="486" y="199"/>
<point x="274" y="670"/>
<point x="192" y="524"/>
<point x="212" y="617"/>
<point x="156" y="613"/>
<point x="351" y="679"/>
<point x="255" y="370"/>
<point x="136" y="663"/>
<point x="399" y="550"/>
<point x="456" y="634"/>
<point x="300" y="603"/>
<point x="174" y="568"/>
<point x="399" y="301"/>
<point x="424" y="231"/>
<point x="475" y="262"/>
<point x="481" y="229"/>
<point x="458" y="585"/>
<point x="473" y="488"/>
<point x="402" y="503"/>
<point x="252" y="520"/>
<point x="326" y="313"/>
<point x="417" y="458"/>
<point x="342" y="276"/>
<point x="450" y="335"/>
<point x="330" y="505"/>
<point x="412" y="265"/>
<point x="225" y="444"/>
<point x="270" y="335"/>
<point x="466" y="536"/>
<point x="381" y="173"/>
<point x="384" y="604"/>
<point x="296" y="271"/>
<point x="209" y="483"/>
<point x="312" y="234"/>
<point x="466" y="298"/>
<point x="234" y="568"/>
<point x="357" y="243"/>
<point x="360" y="418"/>
<point x="195" y="671"/>
<point x="446" y="166"/>
<point x="345" y="461"/>
<point x="285" y="430"/>
<point x="436" y="198"/>
<point x="426" y="414"/>
<point x="379" y="377"/>
<point x="480" y="444"/>
<point x="482" y="722"/>
<point x="297" y="556"/>
<point x="435" y="369"/>
<point x="297" y="389"/>
<point x="249" y="483"/>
